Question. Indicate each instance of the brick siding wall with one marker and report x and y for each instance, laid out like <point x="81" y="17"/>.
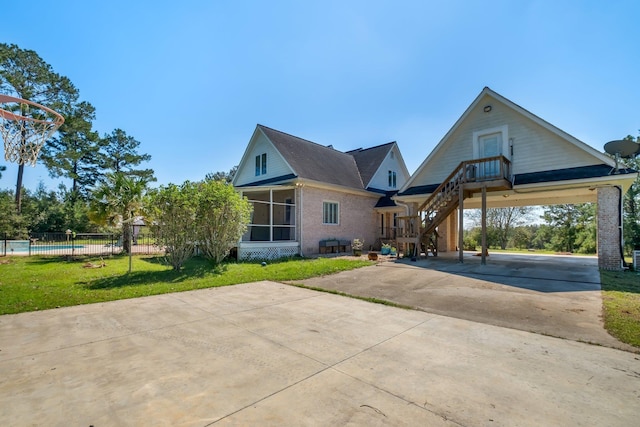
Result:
<point x="608" y="232"/>
<point x="356" y="218"/>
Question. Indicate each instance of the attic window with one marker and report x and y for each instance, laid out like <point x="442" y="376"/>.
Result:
<point x="261" y="164"/>
<point x="391" y="155"/>
<point x="392" y="179"/>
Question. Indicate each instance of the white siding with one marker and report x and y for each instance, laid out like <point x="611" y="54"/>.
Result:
<point x="276" y="166"/>
<point x="535" y="148"/>
<point x="381" y="179"/>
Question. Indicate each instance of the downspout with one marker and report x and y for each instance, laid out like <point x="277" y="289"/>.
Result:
<point x="300" y="186"/>
<point x="624" y="265"/>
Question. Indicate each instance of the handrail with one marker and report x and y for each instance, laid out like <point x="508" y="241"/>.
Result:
<point x="504" y="173"/>
<point x="446" y="194"/>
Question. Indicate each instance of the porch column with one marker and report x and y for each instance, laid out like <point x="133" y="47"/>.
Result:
<point x="609" y="237"/>
<point x="448" y="233"/>
<point x="484" y="226"/>
<point x="298" y="203"/>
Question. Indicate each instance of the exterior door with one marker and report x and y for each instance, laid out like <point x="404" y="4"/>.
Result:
<point x="490" y="146"/>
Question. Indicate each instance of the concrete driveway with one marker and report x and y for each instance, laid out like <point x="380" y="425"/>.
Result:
<point x="270" y="354"/>
<point x="548" y="294"/>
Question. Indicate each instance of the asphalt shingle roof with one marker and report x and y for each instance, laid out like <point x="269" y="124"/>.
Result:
<point x="369" y="159"/>
<point x="325" y="164"/>
<point x="582" y="172"/>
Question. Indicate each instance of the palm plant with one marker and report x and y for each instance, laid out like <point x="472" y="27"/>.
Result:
<point x="117" y="202"/>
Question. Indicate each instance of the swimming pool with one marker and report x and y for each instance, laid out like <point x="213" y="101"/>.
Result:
<point x="54" y="247"/>
<point x="22" y="247"/>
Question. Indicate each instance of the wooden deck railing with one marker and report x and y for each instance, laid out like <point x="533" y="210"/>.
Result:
<point x="445" y="198"/>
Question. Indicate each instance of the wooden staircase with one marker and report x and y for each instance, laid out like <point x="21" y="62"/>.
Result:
<point x="470" y="176"/>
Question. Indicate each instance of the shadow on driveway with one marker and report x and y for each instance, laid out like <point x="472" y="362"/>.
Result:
<point x="552" y="295"/>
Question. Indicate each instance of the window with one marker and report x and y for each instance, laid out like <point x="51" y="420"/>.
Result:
<point x="261" y="164"/>
<point x="330" y="213"/>
<point x="392" y="179"/>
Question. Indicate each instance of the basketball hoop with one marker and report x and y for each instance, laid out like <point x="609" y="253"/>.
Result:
<point x="25" y="127"/>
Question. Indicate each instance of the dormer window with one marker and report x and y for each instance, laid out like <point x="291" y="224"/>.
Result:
<point x="261" y="164"/>
<point x="392" y="179"/>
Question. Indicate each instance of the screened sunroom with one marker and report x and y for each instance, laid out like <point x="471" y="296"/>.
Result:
<point x="272" y="231"/>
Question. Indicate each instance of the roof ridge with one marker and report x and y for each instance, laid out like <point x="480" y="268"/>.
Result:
<point x="359" y="150"/>
<point x="302" y="139"/>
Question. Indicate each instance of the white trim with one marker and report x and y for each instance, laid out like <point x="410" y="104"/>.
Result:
<point x="244" y="160"/>
<point x="394" y="149"/>
<point x="625" y="181"/>
<point x="340" y="188"/>
<point x="333" y="202"/>
<point x="262" y="250"/>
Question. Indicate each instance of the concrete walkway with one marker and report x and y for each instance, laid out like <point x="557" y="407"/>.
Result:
<point x="270" y="354"/>
<point x="548" y="294"/>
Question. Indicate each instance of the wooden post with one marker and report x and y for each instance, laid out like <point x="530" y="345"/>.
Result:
<point x="461" y="224"/>
<point x="484" y="226"/>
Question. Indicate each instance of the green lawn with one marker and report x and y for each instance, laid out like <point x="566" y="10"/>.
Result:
<point x="532" y="252"/>
<point x="39" y="283"/>
<point x="621" y="303"/>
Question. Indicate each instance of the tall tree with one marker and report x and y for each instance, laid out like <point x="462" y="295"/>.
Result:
<point x="25" y="75"/>
<point x="117" y="202"/>
<point x="222" y="176"/>
<point x="43" y="210"/>
<point x="11" y="223"/>
<point x="501" y="223"/>
<point x="75" y="152"/>
<point x="573" y="227"/>
<point x="120" y="155"/>
<point x="632" y="205"/>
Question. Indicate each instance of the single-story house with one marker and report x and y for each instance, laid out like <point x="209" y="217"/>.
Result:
<point x="305" y="194"/>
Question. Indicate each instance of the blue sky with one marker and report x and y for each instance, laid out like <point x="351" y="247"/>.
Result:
<point x="191" y="79"/>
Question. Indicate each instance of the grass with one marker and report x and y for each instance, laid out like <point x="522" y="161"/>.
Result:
<point x="621" y="303"/>
<point x="536" y="251"/>
<point x="40" y="283"/>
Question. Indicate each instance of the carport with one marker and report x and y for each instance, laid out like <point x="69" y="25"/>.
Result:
<point x="500" y="155"/>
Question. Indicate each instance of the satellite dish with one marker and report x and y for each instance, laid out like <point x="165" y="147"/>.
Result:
<point x="621" y="148"/>
<point x="624" y="148"/>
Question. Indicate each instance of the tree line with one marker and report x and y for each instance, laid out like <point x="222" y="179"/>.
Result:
<point x="558" y="228"/>
<point x="109" y="187"/>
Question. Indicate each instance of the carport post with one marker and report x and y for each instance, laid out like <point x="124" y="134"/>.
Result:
<point x="460" y="223"/>
<point x="484" y="226"/>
